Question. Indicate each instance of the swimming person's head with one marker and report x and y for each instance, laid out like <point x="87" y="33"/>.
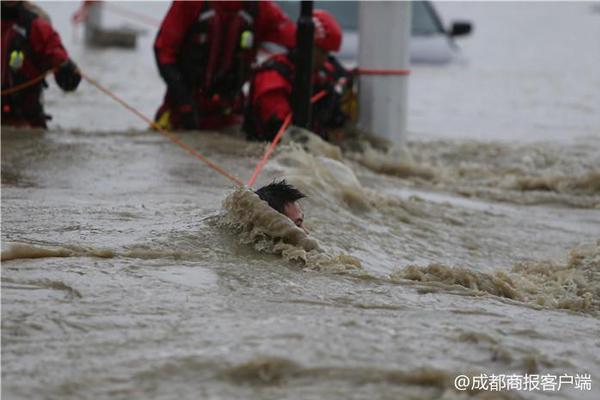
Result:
<point x="283" y="197"/>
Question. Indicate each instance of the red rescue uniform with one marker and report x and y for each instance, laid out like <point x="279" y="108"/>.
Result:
<point x="271" y="90"/>
<point x="205" y="51"/>
<point x="30" y="47"/>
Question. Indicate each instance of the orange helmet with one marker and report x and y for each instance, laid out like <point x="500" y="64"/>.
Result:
<point x="328" y="33"/>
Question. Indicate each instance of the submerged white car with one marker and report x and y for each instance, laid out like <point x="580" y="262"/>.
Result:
<point x="431" y="42"/>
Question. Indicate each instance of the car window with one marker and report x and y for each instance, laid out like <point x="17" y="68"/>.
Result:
<point x="424" y="19"/>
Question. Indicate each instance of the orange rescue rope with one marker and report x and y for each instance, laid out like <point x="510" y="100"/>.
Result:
<point x="27" y="84"/>
<point x="371" y="71"/>
<point x="173" y="137"/>
<point x="169" y="135"/>
<point x="277" y="138"/>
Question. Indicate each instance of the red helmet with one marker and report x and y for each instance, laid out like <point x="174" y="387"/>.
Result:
<point x="328" y="33"/>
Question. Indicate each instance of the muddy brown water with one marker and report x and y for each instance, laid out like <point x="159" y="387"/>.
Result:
<point x="132" y="271"/>
<point x="129" y="270"/>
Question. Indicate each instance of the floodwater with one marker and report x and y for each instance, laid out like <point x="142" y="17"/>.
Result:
<point x="130" y="270"/>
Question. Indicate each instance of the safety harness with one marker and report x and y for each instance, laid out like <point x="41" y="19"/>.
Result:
<point x="326" y="112"/>
<point x="19" y="104"/>
<point x="221" y="54"/>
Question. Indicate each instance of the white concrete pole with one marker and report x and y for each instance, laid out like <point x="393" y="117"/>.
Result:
<point x="384" y="35"/>
<point x="93" y="23"/>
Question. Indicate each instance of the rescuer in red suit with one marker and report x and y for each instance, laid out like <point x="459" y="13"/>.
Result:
<point x="205" y="51"/>
<point x="30" y="47"/>
<point x="271" y="87"/>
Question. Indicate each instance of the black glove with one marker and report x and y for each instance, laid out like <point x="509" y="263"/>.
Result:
<point x="67" y="76"/>
<point x="189" y="116"/>
<point x="327" y="111"/>
<point x="272" y="127"/>
<point x="181" y="95"/>
<point x="337" y="117"/>
<point x="180" y="92"/>
<point x="341" y="72"/>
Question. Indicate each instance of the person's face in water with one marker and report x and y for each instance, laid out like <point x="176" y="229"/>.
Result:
<point x="294" y="212"/>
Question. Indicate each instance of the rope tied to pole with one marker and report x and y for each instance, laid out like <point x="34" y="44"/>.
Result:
<point x="374" y="71"/>
<point x="314" y="99"/>
<point x="171" y="136"/>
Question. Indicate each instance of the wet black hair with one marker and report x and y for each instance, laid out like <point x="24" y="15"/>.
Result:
<point x="277" y="194"/>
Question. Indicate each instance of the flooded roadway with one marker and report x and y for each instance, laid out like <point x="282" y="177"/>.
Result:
<point x="132" y="271"/>
<point x="144" y="285"/>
